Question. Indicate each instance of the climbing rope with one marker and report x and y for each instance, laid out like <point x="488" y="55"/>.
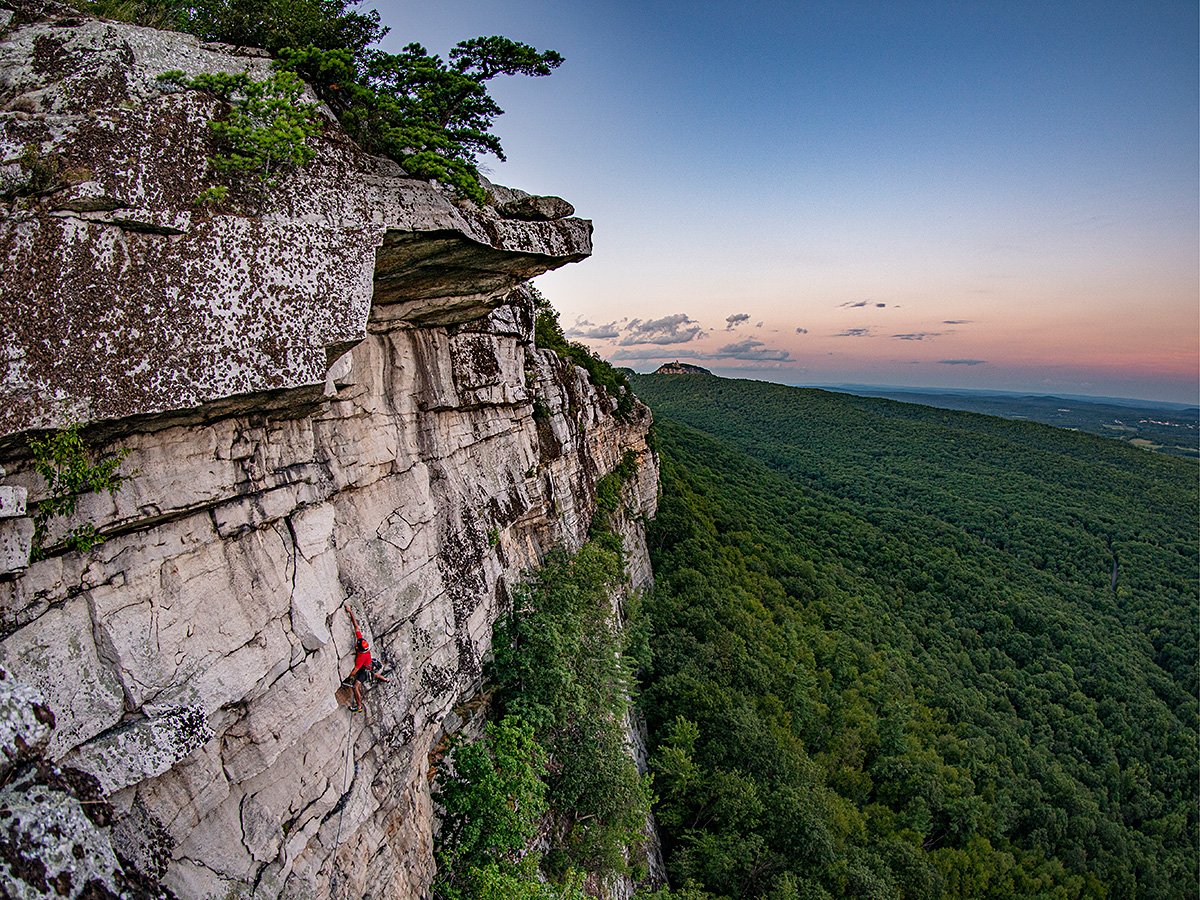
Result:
<point x="346" y="782"/>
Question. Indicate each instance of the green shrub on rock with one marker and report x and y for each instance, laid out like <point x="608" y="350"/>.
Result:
<point x="268" y="127"/>
<point x="493" y="798"/>
<point x="65" y="464"/>
<point x="559" y="665"/>
<point x="432" y="116"/>
<point x="548" y="335"/>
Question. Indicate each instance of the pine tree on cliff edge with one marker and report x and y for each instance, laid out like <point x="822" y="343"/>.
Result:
<point x="431" y="116"/>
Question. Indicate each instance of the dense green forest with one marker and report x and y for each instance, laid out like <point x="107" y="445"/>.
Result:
<point x="1164" y="428"/>
<point x="553" y="760"/>
<point x="885" y="656"/>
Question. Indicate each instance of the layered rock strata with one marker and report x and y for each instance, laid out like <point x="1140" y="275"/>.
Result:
<point x="329" y="394"/>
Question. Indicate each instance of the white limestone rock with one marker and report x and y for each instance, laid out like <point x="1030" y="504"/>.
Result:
<point x="12" y="499"/>
<point x="58" y="658"/>
<point x="16" y="532"/>
<point x="316" y="592"/>
<point x="284" y="713"/>
<point x="25" y="723"/>
<point x="181" y="797"/>
<point x="142" y="749"/>
<point x="16" y="544"/>
<point x="328" y="396"/>
<point x="59" y="840"/>
<point x="55" y="839"/>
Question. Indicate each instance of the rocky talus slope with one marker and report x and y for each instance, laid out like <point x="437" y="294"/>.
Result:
<point x="330" y="394"/>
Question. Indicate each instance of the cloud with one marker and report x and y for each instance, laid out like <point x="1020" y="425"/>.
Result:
<point x="801" y="331"/>
<point x="732" y="322"/>
<point x="585" y="329"/>
<point x="918" y="335"/>
<point x="759" y="325"/>
<point x="880" y="305"/>
<point x="963" y="362"/>
<point x="677" y="329"/>
<point x="957" y="322"/>
<point x="854" y="305"/>
<point x="751" y="350"/>
<point x="854" y="332"/>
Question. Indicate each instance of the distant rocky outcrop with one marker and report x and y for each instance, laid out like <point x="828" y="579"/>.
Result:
<point x="680" y="368"/>
<point x="329" y="393"/>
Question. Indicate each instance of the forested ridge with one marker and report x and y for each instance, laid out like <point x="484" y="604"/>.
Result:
<point x="884" y="655"/>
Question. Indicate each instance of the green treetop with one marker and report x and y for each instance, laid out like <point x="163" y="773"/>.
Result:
<point x="432" y="117"/>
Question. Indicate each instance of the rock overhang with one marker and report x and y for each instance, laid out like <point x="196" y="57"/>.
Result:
<point x="123" y="298"/>
<point x="445" y="277"/>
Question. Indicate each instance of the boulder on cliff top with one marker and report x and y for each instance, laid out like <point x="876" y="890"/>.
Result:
<point x="536" y="209"/>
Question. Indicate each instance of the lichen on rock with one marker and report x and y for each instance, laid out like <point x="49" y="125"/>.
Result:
<point x="55" y="835"/>
<point x="330" y="394"/>
<point x="144" y="302"/>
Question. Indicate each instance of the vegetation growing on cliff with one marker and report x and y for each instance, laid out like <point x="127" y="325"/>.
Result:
<point x="608" y="493"/>
<point x="561" y="679"/>
<point x="432" y="116"/>
<point x="548" y="335"/>
<point x="40" y="173"/>
<point x="889" y="660"/>
<point x="493" y="799"/>
<point x="69" y="471"/>
<point x="558" y="665"/>
<point x="266" y="130"/>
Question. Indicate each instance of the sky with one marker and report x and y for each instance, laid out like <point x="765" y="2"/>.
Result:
<point x="998" y="196"/>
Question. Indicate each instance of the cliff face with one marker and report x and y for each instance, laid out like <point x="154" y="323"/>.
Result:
<point x="329" y="393"/>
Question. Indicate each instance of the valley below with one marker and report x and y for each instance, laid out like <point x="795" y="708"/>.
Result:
<point x="902" y="651"/>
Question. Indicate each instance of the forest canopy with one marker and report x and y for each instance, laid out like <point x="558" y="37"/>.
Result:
<point x="905" y="652"/>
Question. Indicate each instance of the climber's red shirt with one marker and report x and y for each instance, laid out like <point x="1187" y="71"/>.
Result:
<point x="361" y="660"/>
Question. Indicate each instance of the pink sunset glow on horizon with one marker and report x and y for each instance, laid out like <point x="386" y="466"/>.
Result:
<point x="1022" y="337"/>
<point x="988" y="196"/>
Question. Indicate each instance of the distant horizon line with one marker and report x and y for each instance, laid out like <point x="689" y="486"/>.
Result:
<point x="851" y="387"/>
<point x="1054" y="395"/>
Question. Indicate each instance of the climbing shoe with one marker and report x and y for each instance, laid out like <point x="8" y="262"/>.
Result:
<point x="354" y="707"/>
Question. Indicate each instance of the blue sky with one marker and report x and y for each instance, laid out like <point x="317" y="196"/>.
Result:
<point x="994" y="195"/>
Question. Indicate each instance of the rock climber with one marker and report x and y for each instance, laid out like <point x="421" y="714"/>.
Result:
<point x="363" y="670"/>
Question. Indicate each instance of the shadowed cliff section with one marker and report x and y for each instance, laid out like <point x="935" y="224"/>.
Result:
<point x="440" y="277"/>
